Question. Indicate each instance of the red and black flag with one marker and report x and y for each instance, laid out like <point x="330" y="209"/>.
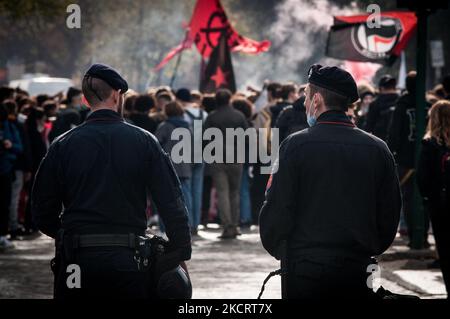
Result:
<point x="208" y="22"/>
<point x="352" y="38"/>
<point x="219" y="71"/>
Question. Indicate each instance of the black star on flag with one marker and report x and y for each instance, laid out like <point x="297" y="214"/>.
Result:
<point x="219" y="71"/>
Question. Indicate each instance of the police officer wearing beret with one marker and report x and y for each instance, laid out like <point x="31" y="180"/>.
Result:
<point x="90" y="194"/>
<point x="333" y="197"/>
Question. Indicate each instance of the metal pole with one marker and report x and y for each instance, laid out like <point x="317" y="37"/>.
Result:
<point x="175" y="71"/>
<point x="418" y="218"/>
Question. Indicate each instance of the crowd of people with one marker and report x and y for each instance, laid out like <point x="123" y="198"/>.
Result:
<point x="229" y="193"/>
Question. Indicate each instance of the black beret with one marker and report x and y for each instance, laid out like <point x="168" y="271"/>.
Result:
<point x="109" y="75"/>
<point x="334" y="79"/>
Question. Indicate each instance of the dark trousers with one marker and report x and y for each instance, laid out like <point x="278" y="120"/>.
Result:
<point x="206" y="199"/>
<point x="440" y="220"/>
<point x="407" y="188"/>
<point x="227" y="180"/>
<point x="105" y="273"/>
<point x="314" y="278"/>
<point x="5" y="201"/>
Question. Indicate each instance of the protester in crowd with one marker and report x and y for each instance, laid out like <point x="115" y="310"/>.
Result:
<point x="262" y="119"/>
<point x="175" y="119"/>
<point x="402" y="143"/>
<point x="6" y="93"/>
<point x="10" y="146"/>
<point x="246" y="108"/>
<point x="128" y="106"/>
<point x="446" y="86"/>
<point x="254" y="95"/>
<point x="433" y="177"/>
<point x="141" y="114"/>
<point x="195" y="116"/>
<point x="24" y="105"/>
<point x="35" y="131"/>
<point x="381" y="109"/>
<point x="436" y="94"/>
<point x="69" y="116"/>
<point x="196" y="97"/>
<point x="162" y="100"/>
<point x="292" y="119"/>
<point x="262" y="122"/>
<point x="163" y="97"/>
<point x="75" y="101"/>
<point x="163" y="90"/>
<point x="351" y="113"/>
<point x="208" y="105"/>
<point x="22" y="169"/>
<point x="40" y="99"/>
<point x="366" y="94"/>
<point x="279" y="97"/>
<point x="227" y="176"/>
<point x="50" y="108"/>
<point x="288" y="94"/>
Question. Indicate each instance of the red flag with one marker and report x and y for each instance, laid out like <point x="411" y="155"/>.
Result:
<point x="350" y="37"/>
<point x="208" y="21"/>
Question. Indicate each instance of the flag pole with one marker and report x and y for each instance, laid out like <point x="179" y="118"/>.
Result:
<point x="417" y="219"/>
<point x="175" y="71"/>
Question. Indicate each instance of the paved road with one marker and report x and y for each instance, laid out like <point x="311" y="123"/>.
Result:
<point x="219" y="269"/>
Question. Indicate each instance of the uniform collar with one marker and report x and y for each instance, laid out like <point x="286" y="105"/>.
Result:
<point x="104" y="115"/>
<point x="335" y="117"/>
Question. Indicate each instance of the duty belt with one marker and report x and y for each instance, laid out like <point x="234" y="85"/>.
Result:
<point x="140" y="245"/>
<point x="105" y="240"/>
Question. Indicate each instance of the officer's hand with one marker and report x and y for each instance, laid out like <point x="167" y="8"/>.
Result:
<point x="167" y="262"/>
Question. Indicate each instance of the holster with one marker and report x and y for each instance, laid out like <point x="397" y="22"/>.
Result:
<point x="151" y="254"/>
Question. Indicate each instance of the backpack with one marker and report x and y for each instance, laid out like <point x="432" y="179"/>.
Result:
<point x="384" y="122"/>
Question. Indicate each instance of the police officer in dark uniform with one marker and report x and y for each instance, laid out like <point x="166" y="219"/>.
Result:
<point x="333" y="197"/>
<point x="91" y="192"/>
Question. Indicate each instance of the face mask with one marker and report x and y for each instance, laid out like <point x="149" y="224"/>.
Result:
<point x="311" y="119"/>
<point x="40" y="127"/>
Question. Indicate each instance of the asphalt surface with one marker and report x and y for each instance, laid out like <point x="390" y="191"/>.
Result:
<point x="221" y="269"/>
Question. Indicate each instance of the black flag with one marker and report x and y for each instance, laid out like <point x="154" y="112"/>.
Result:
<point x="219" y="71"/>
<point x="353" y="38"/>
